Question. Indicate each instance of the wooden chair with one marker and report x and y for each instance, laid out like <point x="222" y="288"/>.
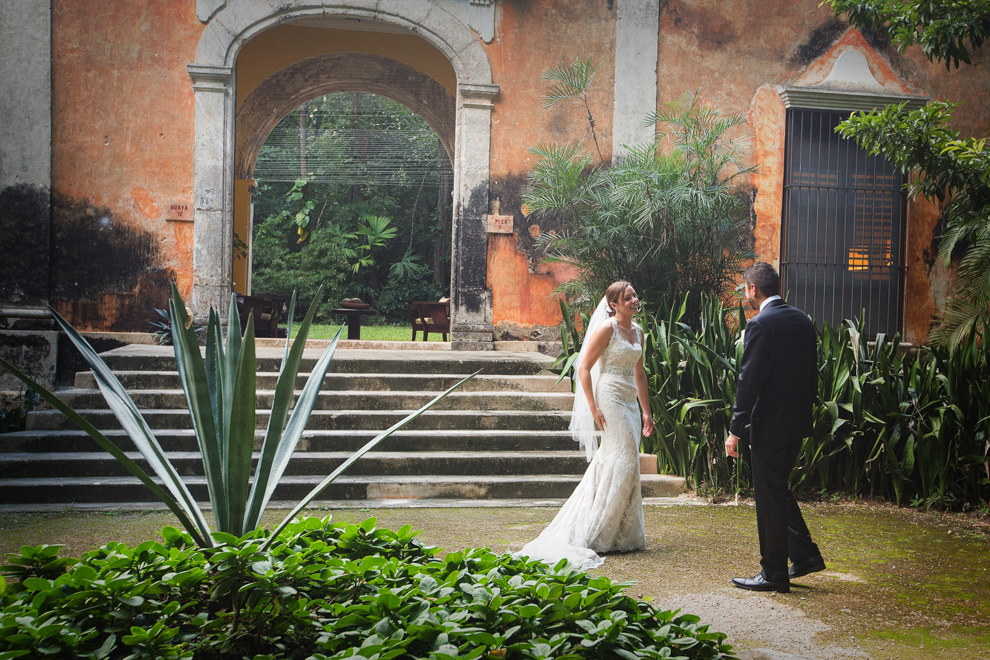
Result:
<point x="428" y="316"/>
<point x="415" y="321"/>
<point x="268" y="311"/>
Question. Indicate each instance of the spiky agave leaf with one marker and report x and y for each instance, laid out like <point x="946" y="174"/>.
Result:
<point x="354" y="457"/>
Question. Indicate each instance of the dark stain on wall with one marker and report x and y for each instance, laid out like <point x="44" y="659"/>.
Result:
<point x="819" y="41"/>
<point x="105" y="274"/>
<point x="880" y="42"/>
<point x="509" y="191"/>
<point x="25" y="227"/>
<point x="711" y="28"/>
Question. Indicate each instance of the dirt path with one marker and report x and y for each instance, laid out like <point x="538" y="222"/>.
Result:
<point x="899" y="584"/>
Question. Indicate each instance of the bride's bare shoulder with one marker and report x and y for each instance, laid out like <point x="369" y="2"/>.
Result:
<point x="601" y="335"/>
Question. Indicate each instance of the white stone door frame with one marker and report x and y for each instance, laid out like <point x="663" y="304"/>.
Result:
<point x="232" y="24"/>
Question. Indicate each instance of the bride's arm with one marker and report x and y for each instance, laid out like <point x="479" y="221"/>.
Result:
<point x="592" y="349"/>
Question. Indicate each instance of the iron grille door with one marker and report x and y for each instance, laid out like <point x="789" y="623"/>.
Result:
<point x="842" y="235"/>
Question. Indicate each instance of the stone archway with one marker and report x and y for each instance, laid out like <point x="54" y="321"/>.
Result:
<point x="235" y="23"/>
<point x="311" y="78"/>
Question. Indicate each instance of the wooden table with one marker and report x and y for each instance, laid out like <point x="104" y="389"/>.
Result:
<point x="353" y="317"/>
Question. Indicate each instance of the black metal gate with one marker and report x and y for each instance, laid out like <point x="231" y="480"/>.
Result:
<point x="843" y="226"/>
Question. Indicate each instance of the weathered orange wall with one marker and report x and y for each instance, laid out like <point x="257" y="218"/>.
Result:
<point x="530" y="38"/>
<point x="122" y="144"/>
<point x="124" y="131"/>
<point x="741" y="58"/>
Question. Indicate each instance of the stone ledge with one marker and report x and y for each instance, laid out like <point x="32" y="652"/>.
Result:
<point x="551" y="348"/>
<point x="266" y="342"/>
<point x="471" y="346"/>
<point x="662" y="485"/>
<point x="472" y="336"/>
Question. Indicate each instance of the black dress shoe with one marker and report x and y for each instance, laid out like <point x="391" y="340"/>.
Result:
<point x="805" y="566"/>
<point x="759" y="583"/>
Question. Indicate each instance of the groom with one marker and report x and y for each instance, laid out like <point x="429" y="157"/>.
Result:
<point x="778" y="381"/>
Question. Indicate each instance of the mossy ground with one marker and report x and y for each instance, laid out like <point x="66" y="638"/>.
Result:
<point x="900" y="583"/>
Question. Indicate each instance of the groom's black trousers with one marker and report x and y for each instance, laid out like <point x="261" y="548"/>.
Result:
<point x="781" y="527"/>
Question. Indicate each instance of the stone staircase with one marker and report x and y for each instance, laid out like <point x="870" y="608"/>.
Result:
<point x="500" y="437"/>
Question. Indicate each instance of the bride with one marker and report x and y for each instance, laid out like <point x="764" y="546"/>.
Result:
<point x="605" y="512"/>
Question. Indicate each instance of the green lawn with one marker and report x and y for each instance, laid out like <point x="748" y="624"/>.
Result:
<point x="369" y="332"/>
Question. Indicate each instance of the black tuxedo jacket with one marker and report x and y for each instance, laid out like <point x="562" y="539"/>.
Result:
<point x="778" y="377"/>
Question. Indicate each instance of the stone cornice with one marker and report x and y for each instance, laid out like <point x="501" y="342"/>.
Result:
<point x="822" y="98"/>
<point x="210" y="78"/>
<point x="477" y="95"/>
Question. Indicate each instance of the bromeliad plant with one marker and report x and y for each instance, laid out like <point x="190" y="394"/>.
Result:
<point x="220" y="393"/>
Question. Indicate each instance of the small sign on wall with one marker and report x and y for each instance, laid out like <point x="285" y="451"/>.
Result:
<point x="180" y="212"/>
<point x="499" y="224"/>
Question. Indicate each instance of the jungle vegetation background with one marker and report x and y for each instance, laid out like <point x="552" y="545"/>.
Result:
<point x="354" y="194"/>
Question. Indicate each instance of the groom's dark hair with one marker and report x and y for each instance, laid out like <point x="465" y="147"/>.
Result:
<point x="765" y="278"/>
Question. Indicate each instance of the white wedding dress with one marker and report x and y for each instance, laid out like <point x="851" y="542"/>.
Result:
<point x="605" y="512"/>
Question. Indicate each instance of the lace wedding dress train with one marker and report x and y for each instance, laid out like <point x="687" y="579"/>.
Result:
<point x="605" y="512"/>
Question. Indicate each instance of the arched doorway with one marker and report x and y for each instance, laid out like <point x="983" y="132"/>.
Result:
<point x="352" y="192"/>
<point x="217" y="139"/>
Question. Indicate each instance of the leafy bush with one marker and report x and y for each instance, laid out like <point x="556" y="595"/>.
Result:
<point x="326" y="591"/>
<point x="399" y="291"/>
<point x="913" y="426"/>
<point x="670" y="215"/>
<point x="886" y="422"/>
<point x="281" y="267"/>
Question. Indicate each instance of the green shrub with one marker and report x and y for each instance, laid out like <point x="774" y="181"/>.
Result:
<point x="326" y="590"/>
<point x="910" y="425"/>
<point x="280" y="266"/>
<point x="400" y="291"/>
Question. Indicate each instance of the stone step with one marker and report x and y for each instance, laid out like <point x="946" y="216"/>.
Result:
<point x="376" y="400"/>
<point x="102" y="464"/>
<point x="109" y="490"/>
<point x="161" y="358"/>
<point x="169" y="380"/>
<point x="445" y="420"/>
<point x="312" y="440"/>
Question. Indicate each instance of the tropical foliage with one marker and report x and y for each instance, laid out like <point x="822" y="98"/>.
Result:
<point x="955" y="171"/>
<point x="326" y="591"/>
<point x="910" y="425"/>
<point x="354" y="195"/>
<point x="945" y="30"/>
<point x="669" y="214"/>
<point x="221" y="397"/>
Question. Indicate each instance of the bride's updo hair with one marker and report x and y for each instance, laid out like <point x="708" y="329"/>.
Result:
<point x="614" y="293"/>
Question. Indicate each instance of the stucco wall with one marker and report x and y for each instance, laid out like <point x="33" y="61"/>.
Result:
<point x="123" y="133"/>
<point x="122" y="144"/>
<point x="530" y="38"/>
<point x="741" y="58"/>
<point x="25" y="151"/>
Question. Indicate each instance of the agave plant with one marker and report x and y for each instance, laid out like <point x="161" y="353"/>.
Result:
<point x="220" y="393"/>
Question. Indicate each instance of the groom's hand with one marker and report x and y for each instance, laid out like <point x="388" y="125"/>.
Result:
<point x="732" y="446"/>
